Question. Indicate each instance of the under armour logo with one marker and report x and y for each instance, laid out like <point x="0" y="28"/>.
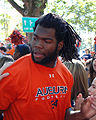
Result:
<point x="51" y="75"/>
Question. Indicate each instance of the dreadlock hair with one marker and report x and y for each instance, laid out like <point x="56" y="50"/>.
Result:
<point x="64" y="31"/>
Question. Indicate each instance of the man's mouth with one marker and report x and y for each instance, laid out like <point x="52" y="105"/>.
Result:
<point x="37" y="55"/>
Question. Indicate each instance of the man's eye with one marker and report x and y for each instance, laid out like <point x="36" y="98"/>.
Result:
<point x="48" y="41"/>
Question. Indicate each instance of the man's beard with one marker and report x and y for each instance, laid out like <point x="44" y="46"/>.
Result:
<point x="47" y="59"/>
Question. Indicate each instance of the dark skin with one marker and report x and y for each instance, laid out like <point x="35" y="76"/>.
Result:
<point x="44" y="45"/>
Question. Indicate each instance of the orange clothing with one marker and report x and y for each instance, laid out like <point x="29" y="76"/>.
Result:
<point x="35" y="92"/>
<point x="11" y="51"/>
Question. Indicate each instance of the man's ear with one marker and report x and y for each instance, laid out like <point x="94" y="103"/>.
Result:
<point x="60" y="45"/>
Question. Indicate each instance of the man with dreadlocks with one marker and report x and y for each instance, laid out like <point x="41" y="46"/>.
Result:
<point x="39" y="85"/>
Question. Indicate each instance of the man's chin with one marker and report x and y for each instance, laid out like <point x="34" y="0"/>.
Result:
<point x="38" y="61"/>
<point x="42" y="61"/>
<point x="45" y="60"/>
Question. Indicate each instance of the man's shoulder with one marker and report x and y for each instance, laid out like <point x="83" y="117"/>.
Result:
<point x="20" y="64"/>
<point x="61" y="64"/>
<point x="63" y="67"/>
<point x="23" y="60"/>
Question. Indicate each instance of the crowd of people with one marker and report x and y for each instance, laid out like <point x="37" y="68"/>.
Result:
<point x="35" y="84"/>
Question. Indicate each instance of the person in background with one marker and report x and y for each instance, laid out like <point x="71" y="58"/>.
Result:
<point x="87" y="55"/>
<point x="15" y="39"/>
<point x="3" y="50"/>
<point x="39" y="85"/>
<point x="92" y="69"/>
<point x="87" y="67"/>
<point x="80" y="80"/>
<point x="91" y="91"/>
<point x="21" y="50"/>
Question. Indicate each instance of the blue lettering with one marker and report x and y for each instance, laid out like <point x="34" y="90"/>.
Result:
<point x="46" y="91"/>
<point x="66" y="89"/>
<point x="50" y="90"/>
<point x="63" y="89"/>
<point x="54" y="90"/>
<point x="39" y="92"/>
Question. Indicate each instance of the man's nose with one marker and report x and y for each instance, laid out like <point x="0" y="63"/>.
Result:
<point x="39" y="43"/>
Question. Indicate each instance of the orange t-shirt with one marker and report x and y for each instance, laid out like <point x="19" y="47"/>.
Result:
<point x="35" y="92"/>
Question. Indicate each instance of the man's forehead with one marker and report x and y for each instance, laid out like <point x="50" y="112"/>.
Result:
<point x="44" y="27"/>
<point x="40" y="30"/>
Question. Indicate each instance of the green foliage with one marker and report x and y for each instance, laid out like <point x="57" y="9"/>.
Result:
<point x="79" y="12"/>
<point x="56" y="7"/>
<point x="38" y="3"/>
<point x="5" y="20"/>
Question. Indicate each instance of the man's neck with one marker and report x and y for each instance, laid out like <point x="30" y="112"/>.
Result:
<point x="51" y="64"/>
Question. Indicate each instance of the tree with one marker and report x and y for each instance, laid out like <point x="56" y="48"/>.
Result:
<point x="4" y="21"/>
<point x="29" y="8"/>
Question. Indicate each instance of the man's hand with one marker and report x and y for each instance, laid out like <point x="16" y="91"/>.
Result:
<point x="6" y="65"/>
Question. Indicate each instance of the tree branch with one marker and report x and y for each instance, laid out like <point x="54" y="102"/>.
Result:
<point x="17" y="7"/>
